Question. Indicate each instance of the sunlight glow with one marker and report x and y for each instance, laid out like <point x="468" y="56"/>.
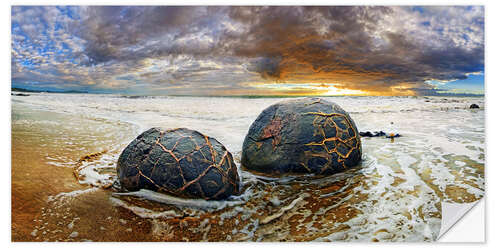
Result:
<point x="326" y="89"/>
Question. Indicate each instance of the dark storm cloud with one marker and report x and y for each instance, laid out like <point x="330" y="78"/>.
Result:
<point x="268" y="67"/>
<point x="384" y="50"/>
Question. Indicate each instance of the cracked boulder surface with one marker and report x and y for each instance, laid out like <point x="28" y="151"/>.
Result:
<point x="180" y="162"/>
<point x="301" y="136"/>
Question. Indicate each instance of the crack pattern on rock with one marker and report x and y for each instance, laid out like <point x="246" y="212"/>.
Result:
<point x="351" y="143"/>
<point x="163" y="174"/>
<point x="308" y="135"/>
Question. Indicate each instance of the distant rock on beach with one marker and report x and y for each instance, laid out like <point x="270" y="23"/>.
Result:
<point x="474" y="106"/>
<point x="180" y="162"/>
<point x="309" y="135"/>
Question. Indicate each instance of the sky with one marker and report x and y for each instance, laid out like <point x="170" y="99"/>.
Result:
<point x="251" y="50"/>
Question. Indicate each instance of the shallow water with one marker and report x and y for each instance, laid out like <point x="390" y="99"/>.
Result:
<point x="394" y="195"/>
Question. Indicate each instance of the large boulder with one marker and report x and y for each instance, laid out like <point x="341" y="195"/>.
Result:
<point x="307" y="135"/>
<point x="181" y="162"/>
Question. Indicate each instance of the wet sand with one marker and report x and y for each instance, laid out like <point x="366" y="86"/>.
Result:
<point x="38" y="214"/>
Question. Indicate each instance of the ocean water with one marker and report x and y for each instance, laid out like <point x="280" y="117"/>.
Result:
<point x="393" y="195"/>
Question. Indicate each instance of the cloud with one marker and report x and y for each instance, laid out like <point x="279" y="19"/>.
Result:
<point x="373" y="48"/>
<point x="210" y="50"/>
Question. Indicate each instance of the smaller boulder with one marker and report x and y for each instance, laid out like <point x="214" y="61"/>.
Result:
<point x="370" y="134"/>
<point x="180" y="162"/>
<point x="366" y="134"/>
<point x="474" y="106"/>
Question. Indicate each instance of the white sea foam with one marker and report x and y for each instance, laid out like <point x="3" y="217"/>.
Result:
<point x="144" y="212"/>
<point x="71" y="194"/>
<point x="181" y="202"/>
<point x="283" y="209"/>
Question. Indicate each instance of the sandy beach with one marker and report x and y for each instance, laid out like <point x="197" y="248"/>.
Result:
<point x="65" y="147"/>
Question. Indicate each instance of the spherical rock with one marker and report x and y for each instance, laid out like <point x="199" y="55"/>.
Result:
<point x="307" y="135"/>
<point x="474" y="106"/>
<point x="181" y="162"/>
